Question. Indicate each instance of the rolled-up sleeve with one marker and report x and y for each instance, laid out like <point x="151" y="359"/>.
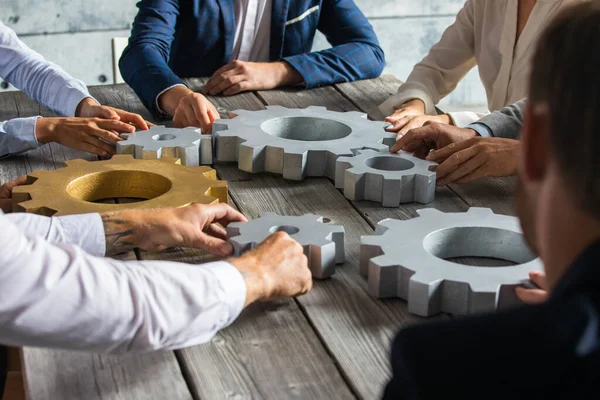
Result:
<point x="57" y="295"/>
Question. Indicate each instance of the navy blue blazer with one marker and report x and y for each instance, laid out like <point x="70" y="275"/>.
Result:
<point x="548" y="351"/>
<point x="173" y="39"/>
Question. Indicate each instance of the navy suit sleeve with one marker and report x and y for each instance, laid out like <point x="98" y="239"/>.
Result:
<point x="144" y="63"/>
<point x="355" y="53"/>
<point x="492" y="356"/>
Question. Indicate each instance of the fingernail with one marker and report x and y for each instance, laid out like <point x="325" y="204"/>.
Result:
<point x="226" y="249"/>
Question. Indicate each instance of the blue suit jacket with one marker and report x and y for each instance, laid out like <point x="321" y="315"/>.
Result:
<point x="173" y="39"/>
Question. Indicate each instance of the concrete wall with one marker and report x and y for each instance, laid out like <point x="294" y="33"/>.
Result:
<point x="76" y="35"/>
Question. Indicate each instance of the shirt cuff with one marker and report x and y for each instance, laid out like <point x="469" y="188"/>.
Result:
<point x="481" y="129"/>
<point x="463" y="118"/>
<point x="407" y="92"/>
<point x="18" y="136"/>
<point x="160" y="111"/>
<point x="233" y="286"/>
<point x="85" y="231"/>
<point x="75" y="97"/>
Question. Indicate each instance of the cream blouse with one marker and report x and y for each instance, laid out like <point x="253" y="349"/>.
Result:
<point x="483" y="34"/>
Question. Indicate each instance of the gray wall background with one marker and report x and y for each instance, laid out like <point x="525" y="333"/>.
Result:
<point x="76" y="34"/>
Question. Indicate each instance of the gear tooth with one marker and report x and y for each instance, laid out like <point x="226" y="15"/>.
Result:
<point x="480" y="211"/>
<point x="234" y="229"/>
<point x="429" y="212"/>
<point x="277" y="108"/>
<point x="120" y="158"/>
<point x="76" y="162"/>
<point x="269" y="214"/>
<point x="316" y="108"/>
<point x="356" y="114"/>
<point x="484" y="287"/>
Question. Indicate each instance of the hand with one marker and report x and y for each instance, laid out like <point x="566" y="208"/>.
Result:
<point x="241" y="76"/>
<point x="534" y="296"/>
<point x="94" y="135"/>
<point x="189" y="108"/>
<point x="411" y="117"/>
<point x="6" y="193"/>
<point x="431" y="136"/>
<point x="476" y="158"/>
<point x="196" y="226"/>
<point x="88" y="108"/>
<point x="276" y="269"/>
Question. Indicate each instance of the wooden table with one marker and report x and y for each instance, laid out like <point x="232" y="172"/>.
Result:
<point x="332" y="343"/>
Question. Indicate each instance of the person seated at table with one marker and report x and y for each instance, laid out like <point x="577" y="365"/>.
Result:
<point x="496" y="36"/>
<point x="488" y="147"/>
<point x="552" y="349"/>
<point x="57" y="290"/>
<point x="242" y="45"/>
<point x="94" y="129"/>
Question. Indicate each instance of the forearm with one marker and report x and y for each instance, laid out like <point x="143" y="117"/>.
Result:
<point x="507" y="122"/>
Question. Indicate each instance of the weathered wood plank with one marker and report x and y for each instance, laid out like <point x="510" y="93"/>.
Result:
<point x="251" y="358"/>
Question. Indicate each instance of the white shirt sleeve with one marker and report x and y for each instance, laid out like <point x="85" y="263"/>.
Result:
<point x="441" y="70"/>
<point x="43" y="81"/>
<point x="59" y="296"/>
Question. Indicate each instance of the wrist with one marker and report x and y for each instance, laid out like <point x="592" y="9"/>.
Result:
<point x="45" y="129"/>
<point x="85" y="106"/>
<point x="256" y="281"/>
<point x="169" y="100"/>
<point x="287" y="74"/>
<point x="416" y="104"/>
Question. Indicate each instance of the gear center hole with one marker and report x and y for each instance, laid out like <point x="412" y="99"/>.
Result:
<point x="484" y="246"/>
<point x="383" y="163"/>
<point x="307" y="129"/>
<point x="119" y="184"/>
<point x="290" y="230"/>
<point x="163" y="137"/>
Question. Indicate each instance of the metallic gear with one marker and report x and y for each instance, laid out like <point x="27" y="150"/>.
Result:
<point x="73" y="189"/>
<point x="388" y="178"/>
<point x="159" y="141"/>
<point x="296" y="142"/>
<point x="407" y="259"/>
<point x="323" y="244"/>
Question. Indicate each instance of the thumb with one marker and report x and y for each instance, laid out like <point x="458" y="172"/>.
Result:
<point x="213" y="245"/>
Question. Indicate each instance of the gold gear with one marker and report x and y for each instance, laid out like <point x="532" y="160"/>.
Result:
<point x="73" y="189"/>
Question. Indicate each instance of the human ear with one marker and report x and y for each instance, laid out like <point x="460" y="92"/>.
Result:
<point x="535" y="146"/>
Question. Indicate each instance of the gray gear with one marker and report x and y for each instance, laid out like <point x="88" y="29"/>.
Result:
<point x="388" y="178"/>
<point x="296" y="142"/>
<point x="186" y="144"/>
<point x="406" y="259"/>
<point x="323" y="244"/>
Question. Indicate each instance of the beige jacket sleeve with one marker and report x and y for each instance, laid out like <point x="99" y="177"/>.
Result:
<point x="446" y="64"/>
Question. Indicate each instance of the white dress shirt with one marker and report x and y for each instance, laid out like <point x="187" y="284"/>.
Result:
<point x="43" y="81"/>
<point x="484" y="34"/>
<point x="57" y="291"/>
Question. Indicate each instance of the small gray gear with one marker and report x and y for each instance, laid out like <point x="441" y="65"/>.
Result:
<point x="323" y="244"/>
<point x="388" y="178"/>
<point x="407" y="259"/>
<point x="186" y="144"/>
<point x="296" y="142"/>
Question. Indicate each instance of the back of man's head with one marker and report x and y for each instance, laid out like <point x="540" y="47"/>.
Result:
<point x="565" y="79"/>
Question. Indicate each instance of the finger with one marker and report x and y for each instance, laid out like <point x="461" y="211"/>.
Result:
<point x="7" y="188"/>
<point x="215" y="79"/>
<point x="479" y="173"/>
<point x="89" y="148"/>
<point x="132" y="118"/>
<point x="109" y="136"/>
<point x="117" y="126"/>
<point x="224" y="214"/>
<point x="399" y="124"/>
<point x="190" y="116"/>
<point x="414" y="123"/>
<point x="213" y="245"/>
<point x="531" y="296"/>
<point x="454" y="162"/>
<point x="217" y="231"/>
<point x="6" y="205"/>
<point x="414" y="138"/>
<point x="106" y="112"/>
<point x="201" y="115"/>
<point x="237" y="88"/>
<point x="102" y="146"/>
<point x="422" y="151"/>
<point x="539" y="278"/>
<point x="461" y="171"/>
<point x="228" y="79"/>
<point x="180" y="119"/>
<point x="445" y="152"/>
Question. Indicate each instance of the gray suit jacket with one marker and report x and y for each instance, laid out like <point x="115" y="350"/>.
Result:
<point x="505" y="123"/>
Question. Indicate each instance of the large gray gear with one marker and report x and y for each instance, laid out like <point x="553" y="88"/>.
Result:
<point x="323" y="244"/>
<point x="296" y="142"/>
<point x="388" y="178"/>
<point x="406" y="259"/>
<point x="187" y="144"/>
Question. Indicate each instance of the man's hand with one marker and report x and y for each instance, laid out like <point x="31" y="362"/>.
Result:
<point x="430" y="137"/>
<point x="94" y="135"/>
<point x="188" y="108"/>
<point x="88" y="108"/>
<point x="276" y="269"/>
<point x="6" y="193"/>
<point x="534" y="296"/>
<point x="196" y="226"/>
<point x="476" y="158"/>
<point x="241" y="76"/>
